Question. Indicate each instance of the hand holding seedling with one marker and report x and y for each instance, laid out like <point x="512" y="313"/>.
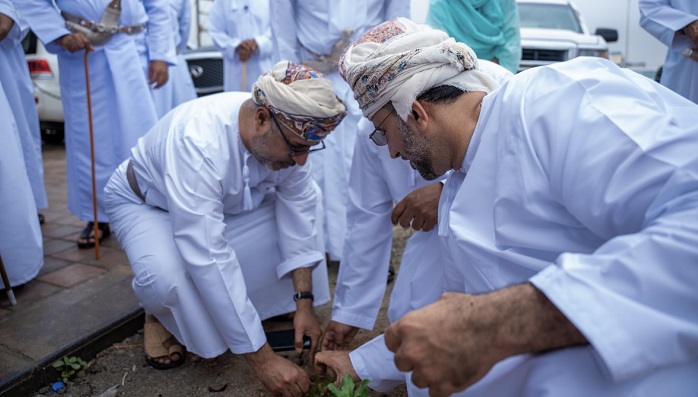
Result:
<point x="452" y="343"/>
<point x="339" y="362"/>
<point x="419" y="208"/>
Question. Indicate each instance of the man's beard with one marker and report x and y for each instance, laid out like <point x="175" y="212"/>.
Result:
<point x="417" y="150"/>
<point x="260" y="151"/>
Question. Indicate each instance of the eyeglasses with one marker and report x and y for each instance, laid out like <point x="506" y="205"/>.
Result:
<point x="295" y="151"/>
<point x="378" y="136"/>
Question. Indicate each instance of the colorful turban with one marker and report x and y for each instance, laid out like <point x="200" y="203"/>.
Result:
<point x="399" y="59"/>
<point x="301" y="99"/>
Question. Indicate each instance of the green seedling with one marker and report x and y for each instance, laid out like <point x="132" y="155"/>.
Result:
<point x="68" y="366"/>
<point x="347" y="388"/>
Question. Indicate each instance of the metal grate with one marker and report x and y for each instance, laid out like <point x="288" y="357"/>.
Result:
<point x="529" y="54"/>
<point x="207" y="74"/>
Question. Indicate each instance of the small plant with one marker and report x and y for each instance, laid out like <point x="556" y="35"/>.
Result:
<point x="68" y="366"/>
<point x="347" y="388"/>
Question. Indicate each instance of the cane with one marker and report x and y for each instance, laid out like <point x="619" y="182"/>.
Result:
<point x="92" y="155"/>
<point x="6" y="281"/>
<point x="244" y="76"/>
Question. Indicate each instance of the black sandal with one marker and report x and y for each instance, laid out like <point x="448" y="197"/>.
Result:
<point x="87" y="234"/>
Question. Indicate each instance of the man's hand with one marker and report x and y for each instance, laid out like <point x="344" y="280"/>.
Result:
<point x="6" y="24"/>
<point x="338" y="336"/>
<point x="420" y="208"/>
<point x="453" y="343"/>
<point x="442" y="344"/>
<point x="158" y="73"/>
<point x="75" y="42"/>
<point x="278" y="375"/>
<point x="246" y="49"/>
<point x="305" y="323"/>
<point x="339" y="362"/>
<point x="691" y="30"/>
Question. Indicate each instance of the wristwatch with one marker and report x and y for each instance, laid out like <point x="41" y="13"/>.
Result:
<point x="303" y="295"/>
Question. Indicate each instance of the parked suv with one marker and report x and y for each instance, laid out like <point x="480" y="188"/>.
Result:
<point x="206" y="70"/>
<point x="553" y="31"/>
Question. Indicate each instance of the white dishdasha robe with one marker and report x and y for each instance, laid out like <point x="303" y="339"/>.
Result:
<point x="214" y="243"/>
<point x="303" y="26"/>
<point x="21" y="244"/>
<point x="582" y="178"/>
<point x="122" y="107"/>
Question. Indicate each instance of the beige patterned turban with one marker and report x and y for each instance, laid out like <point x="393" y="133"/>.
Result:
<point x="301" y="98"/>
<point x="399" y="59"/>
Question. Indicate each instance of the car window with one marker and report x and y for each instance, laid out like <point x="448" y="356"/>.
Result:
<point x="29" y="43"/>
<point x="548" y="16"/>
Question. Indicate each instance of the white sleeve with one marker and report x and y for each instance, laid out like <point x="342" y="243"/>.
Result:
<point x="373" y="361"/>
<point x="620" y="158"/>
<point x="161" y="41"/>
<point x="217" y="22"/>
<point x="296" y="206"/>
<point x="264" y="40"/>
<point x="44" y="20"/>
<point x="362" y="276"/>
<point x="662" y="20"/>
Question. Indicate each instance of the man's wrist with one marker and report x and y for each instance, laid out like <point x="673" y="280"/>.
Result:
<point x="303" y="295"/>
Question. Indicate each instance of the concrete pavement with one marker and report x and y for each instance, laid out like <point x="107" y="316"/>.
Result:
<point x="77" y="305"/>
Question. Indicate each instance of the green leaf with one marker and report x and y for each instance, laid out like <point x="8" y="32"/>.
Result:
<point x="75" y="366"/>
<point x="362" y="391"/>
<point x="58" y="364"/>
<point x="348" y="385"/>
<point x="331" y="387"/>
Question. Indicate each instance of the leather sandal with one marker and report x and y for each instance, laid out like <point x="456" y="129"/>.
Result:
<point x="159" y="343"/>
<point x="87" y="236"/>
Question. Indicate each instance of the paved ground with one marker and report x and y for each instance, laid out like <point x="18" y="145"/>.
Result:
<point x="83" y="306"/>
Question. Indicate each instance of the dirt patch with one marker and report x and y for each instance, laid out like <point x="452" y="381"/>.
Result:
<point x="121" y="371"/>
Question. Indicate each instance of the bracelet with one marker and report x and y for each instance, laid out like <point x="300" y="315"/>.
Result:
<point x="303" y="295"/>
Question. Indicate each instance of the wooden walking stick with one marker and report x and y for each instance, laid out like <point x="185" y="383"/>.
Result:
<point x="92" y="156"/>
<point x="244" y="76"/>
<point x="6" y="281"/>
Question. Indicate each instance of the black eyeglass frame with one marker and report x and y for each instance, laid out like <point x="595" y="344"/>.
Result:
<point x="294" y="152"/>
<point x="378" y="136"/>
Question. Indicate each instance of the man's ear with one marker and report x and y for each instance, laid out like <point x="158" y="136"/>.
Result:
<point x="262" y="116"/>
<point x="418" y="116"/>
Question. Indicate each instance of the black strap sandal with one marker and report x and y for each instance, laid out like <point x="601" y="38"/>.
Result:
<point x="88" y="238"/>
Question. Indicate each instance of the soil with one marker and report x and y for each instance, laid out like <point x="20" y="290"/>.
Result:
<point x="120" y="370"/>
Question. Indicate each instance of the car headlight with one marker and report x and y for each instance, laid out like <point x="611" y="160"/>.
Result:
<point x="593" y="53"/>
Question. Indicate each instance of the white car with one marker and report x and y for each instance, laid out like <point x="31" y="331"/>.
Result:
<point x="43" y="67"/>
<point x="554" y="31"/>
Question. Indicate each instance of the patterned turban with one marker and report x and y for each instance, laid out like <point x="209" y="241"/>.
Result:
<point x="399" y="59"/>
<point x="301" y="99"/>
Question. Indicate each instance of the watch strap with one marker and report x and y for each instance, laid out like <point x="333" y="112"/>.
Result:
<point x="303" y="295"/>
